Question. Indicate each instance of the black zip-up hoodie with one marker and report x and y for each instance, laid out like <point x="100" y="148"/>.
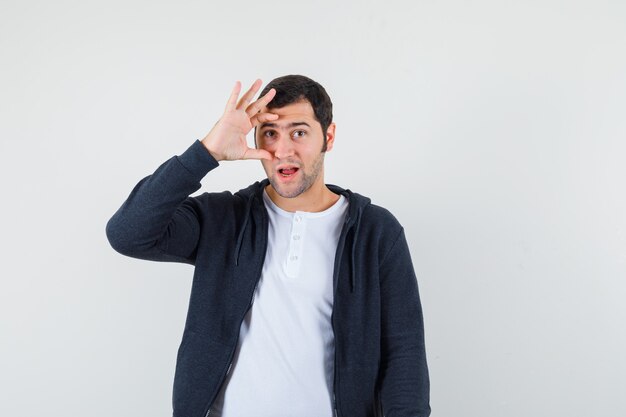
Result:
<point x="380" y="360"/>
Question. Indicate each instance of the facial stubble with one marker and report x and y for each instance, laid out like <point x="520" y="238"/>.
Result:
<point x="306" y="181"/>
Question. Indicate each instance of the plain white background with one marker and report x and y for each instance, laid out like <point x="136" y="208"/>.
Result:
<point x="494" y="131"/>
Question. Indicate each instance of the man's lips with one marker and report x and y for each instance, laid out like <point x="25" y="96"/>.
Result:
<point x="287" y="170"/>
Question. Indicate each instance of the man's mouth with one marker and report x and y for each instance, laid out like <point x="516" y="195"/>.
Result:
<point x="288" y="171"/>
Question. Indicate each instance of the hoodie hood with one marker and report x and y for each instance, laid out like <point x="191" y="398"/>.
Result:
<point x="253" y="195"/>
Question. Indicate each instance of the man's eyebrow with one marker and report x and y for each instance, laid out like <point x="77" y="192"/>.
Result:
<point x="292" y="124"/>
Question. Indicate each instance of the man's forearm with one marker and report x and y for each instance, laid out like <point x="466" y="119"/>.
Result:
<point x="160" y="202"/>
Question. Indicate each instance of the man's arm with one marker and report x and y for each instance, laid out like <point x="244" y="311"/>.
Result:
<point x="404" y="383"/>
<point x="159" y="220"/>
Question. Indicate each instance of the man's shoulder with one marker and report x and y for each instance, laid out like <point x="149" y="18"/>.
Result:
<point x="378" y="224"/>
<point x="381" y="219"/>
<point x="372" y="215"/>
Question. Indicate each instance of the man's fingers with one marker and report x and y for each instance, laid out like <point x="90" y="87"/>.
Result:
<point x="232" y="100"/>
<point x="262" y="118"/>
<point x="247" y="97"/>
<point x="257" y="105"/>
<point x="252" y="153"/>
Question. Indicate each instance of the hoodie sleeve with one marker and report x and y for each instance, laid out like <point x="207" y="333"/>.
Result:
<point x="405" y="384"/>
<point x="159" y="221"/>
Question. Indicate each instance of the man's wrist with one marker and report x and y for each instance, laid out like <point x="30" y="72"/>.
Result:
<point x="213" y="153"/>
<point x="197" y="159"/>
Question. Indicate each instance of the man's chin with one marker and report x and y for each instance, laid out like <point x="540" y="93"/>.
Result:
<point x="286" y="190"/>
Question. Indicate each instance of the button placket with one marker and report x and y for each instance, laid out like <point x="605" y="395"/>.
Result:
<point x="294" y="257"/>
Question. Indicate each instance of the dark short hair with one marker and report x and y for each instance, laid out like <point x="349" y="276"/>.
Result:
<point x="296" y="88"/>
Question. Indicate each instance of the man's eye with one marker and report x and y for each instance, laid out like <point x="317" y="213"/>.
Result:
<point x="299" y="131"/>
<point x="268" y="132"/>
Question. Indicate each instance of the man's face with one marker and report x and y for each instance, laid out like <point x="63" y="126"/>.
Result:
<point x="295" y="141"/>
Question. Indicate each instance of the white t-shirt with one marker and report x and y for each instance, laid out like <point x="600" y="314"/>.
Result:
<point x="283" y="364"/>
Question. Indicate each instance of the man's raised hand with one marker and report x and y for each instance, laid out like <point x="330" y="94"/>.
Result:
<point x="227" y="139"/>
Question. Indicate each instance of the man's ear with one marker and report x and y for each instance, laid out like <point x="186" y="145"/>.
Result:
<point x="330" y="136"/>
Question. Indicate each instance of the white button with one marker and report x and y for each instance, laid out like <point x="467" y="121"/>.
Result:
<point x="296" y="237"/>
<point x="294" y="258"/>
<point x="298" y="218"/>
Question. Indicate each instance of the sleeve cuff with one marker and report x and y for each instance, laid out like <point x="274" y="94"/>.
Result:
<point x="197" y="160"/>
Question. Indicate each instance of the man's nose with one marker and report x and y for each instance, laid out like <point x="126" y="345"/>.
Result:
<point x="284" y="147"/>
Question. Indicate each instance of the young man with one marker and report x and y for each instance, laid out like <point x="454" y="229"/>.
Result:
<point x="304" y="299"/>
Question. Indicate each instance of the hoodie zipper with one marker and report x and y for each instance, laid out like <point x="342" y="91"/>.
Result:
<point x="335" y="384"/>
<point x="232" y="352"/>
